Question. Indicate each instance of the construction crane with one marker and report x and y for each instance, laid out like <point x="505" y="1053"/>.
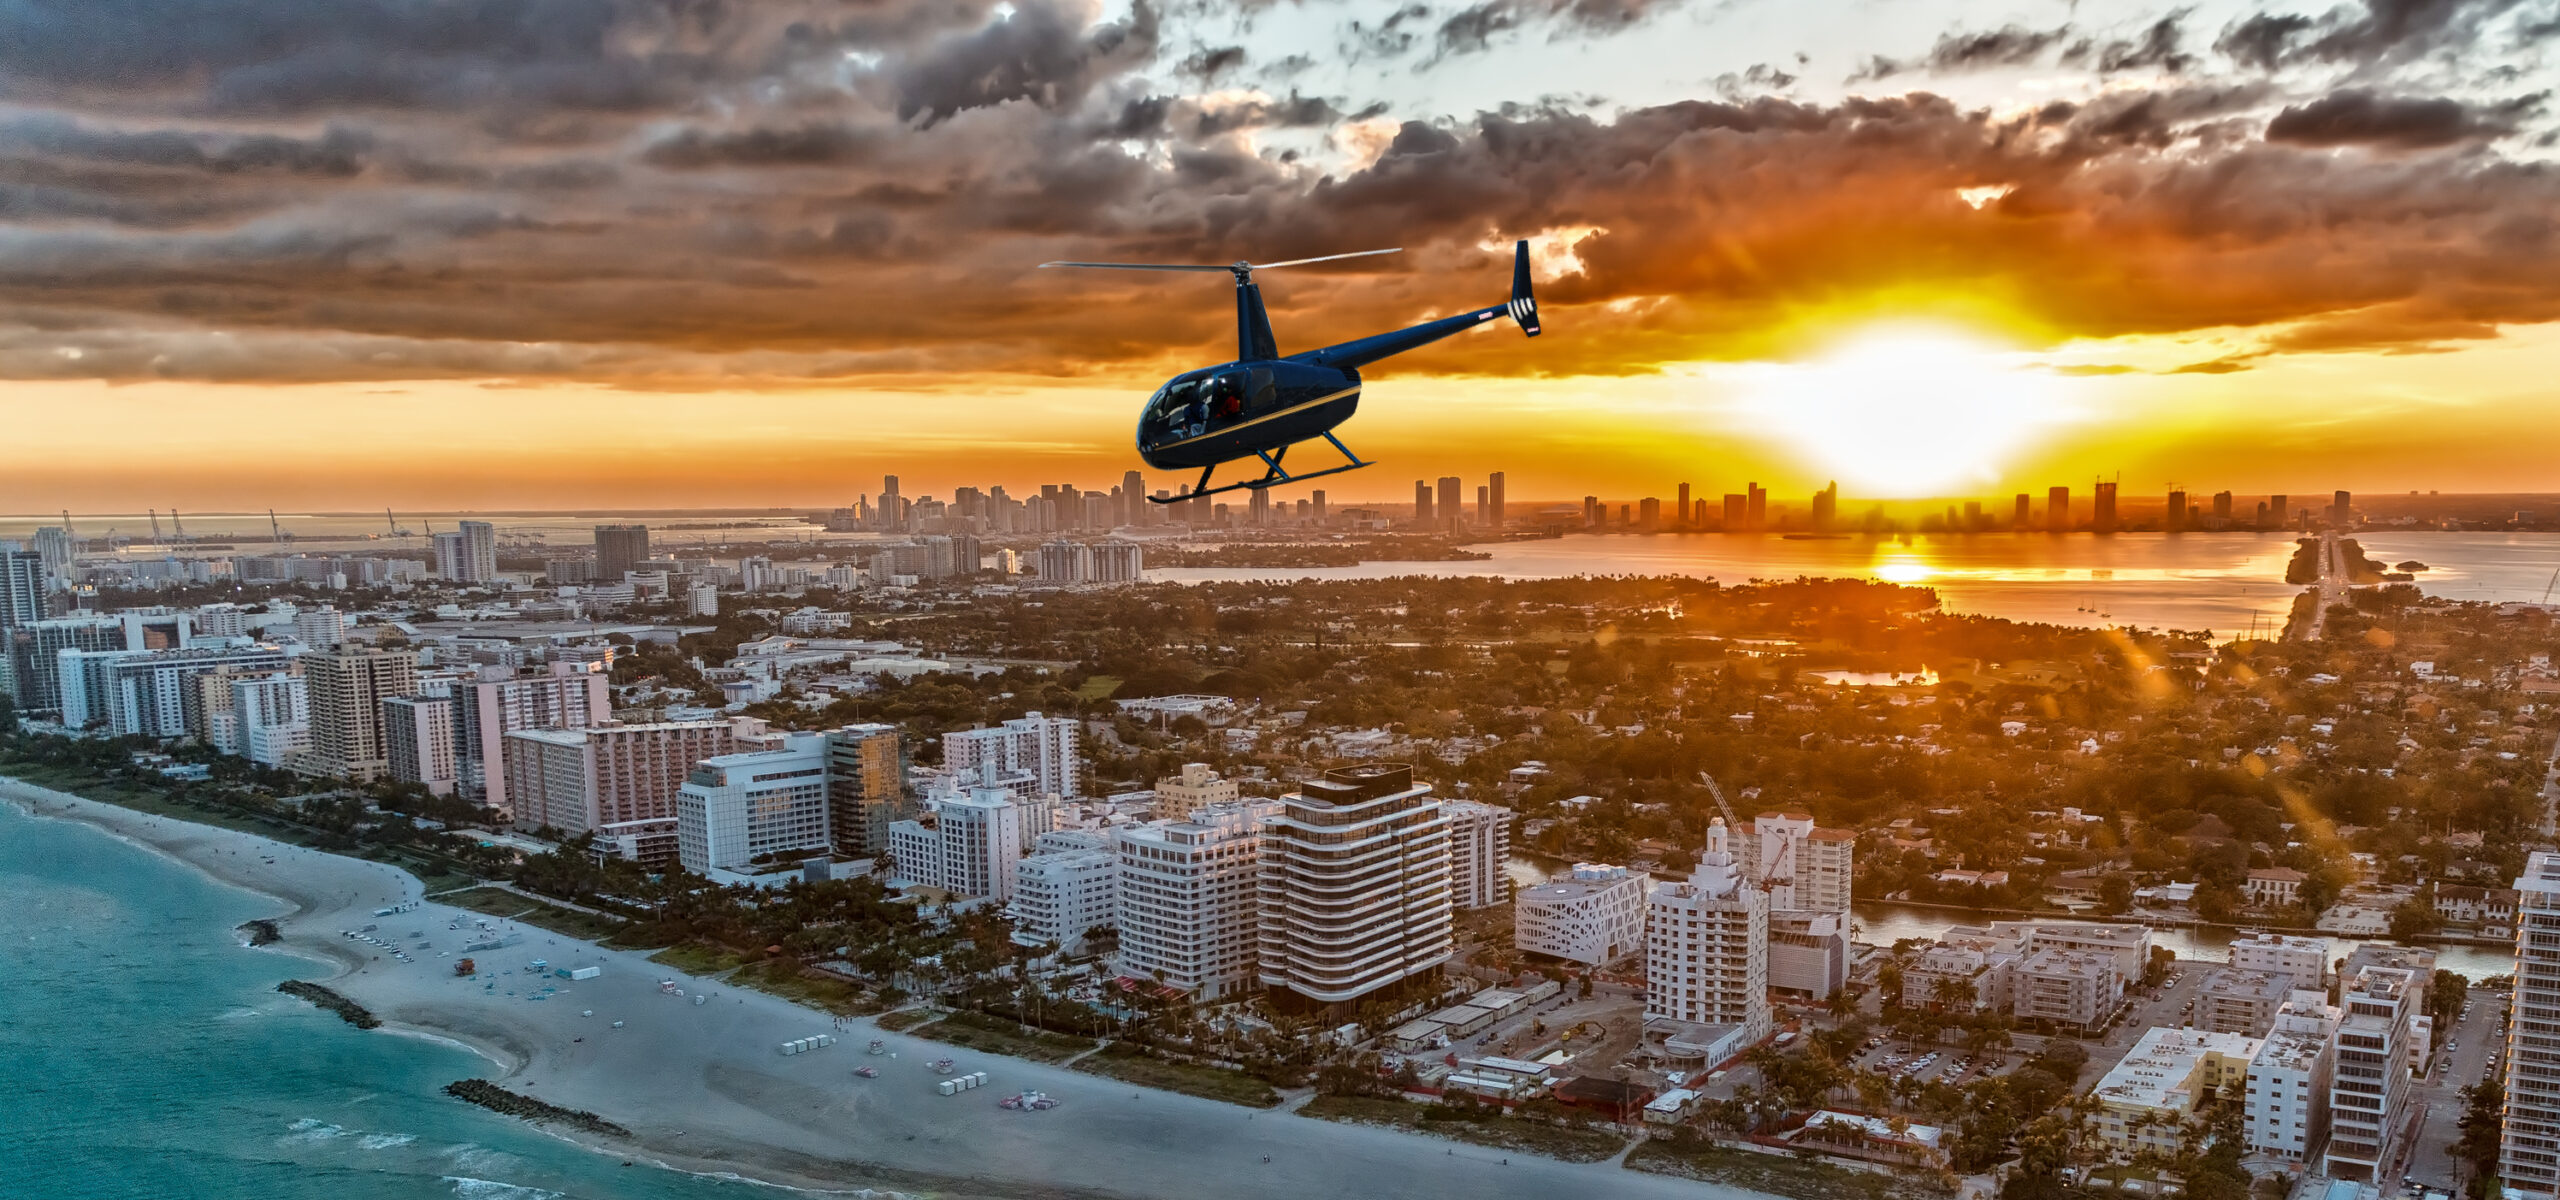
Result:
<point x="1785" y="874"/>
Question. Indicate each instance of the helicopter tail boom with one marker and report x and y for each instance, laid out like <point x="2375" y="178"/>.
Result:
<point x="1524" y="303"/>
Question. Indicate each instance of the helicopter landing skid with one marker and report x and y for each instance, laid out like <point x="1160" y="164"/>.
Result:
<point x="1273" y="473"/>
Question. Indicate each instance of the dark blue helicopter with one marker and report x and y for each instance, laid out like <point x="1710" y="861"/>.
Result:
<point x="1261" y="404"/>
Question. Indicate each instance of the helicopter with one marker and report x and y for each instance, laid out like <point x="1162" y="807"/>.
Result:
<point x="1263" y="403"/>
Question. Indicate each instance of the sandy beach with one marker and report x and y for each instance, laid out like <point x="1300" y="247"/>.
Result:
<point x="703" y="1087"/>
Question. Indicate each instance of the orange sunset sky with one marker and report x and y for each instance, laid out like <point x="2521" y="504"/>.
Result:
<point x="645" y="254"/>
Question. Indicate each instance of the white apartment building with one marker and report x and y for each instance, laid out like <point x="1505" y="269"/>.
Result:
<point x="1479" y="844"/>
<point x="2237" y="1001"/>
<point x="2287" y="1114"/>
<point x="1354" y="886"/>
<point x="1707" y="945"/>
<point x="1962" y="974"/>
<point x="2127" y="947"/>
<point x="2529" y="1151"/>
<point x="2370" y="1080"/>
<point x="1197" y="787"/>
<point x="1060" y="898"/>
<point x="322" y="628"/>
<point x="469" y="554"/>
<point x="1808" y="869"/>
<point x="1186" y="899"/>
<point x="574" y="780"/>
<point x="417" y="739"/>
<point x="564" y="696"/>
<point x="968" y="847"/>
<point x="252" y="709"/>
<point x="2303" y="960"/>
<point x="1046" y="747"/>
<point x="734" y="809"/>
<point x="1594" y="916"/>
<point x="2073" y="990"/>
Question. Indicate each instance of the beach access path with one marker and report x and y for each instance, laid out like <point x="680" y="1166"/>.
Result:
<point x="704" y="1087"/>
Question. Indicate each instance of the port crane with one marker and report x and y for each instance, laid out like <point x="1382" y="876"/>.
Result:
<point x="276" y="528"/>
<point x="396" y="530"/>
<point x="156" y="539"/>
<point x="179" y="527"/>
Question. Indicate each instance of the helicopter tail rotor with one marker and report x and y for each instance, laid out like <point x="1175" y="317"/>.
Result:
<point x="1524" y="304"/>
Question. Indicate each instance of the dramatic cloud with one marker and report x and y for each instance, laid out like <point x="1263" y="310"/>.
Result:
<point x="2356" y="117"/>
<point x="660" y="194"/>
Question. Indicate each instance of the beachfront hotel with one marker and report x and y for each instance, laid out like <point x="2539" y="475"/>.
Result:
<point x="575" y="780"/>
<point x="1707" y="949"/>
<point x="347" y="687"/>
<point x="736" y="809"/>
<point x="2529" y="1149"/>
<point x="1354" y="887"/>
<point x="1186" y="900"/>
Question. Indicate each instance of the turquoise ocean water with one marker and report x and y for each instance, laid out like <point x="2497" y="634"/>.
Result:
<point x="150" y="1055"/>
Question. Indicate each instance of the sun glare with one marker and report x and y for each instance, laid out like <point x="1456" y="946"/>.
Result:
<point x="1907" y="411"/>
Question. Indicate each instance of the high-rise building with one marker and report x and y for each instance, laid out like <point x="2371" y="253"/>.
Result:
<point x="1680" y="514"/>
<point x="1807" y="869"/>
<point x="2024" y="517"/>
<point x="620" y="548"/>
<point x="1707" y="945"/>
<point x="1063" y="563"/>
<point x="2057" y="510"/>
<point x="2370" y="1082"/>
<point x="1115" y="560"/>
<point x="1758" y="517"/>
<point x="1197" y="787"/>
<point x="468" y="554"/>
<point x="348" y="686"/>
<point x="2279" y="516"/>
<point x="1422" y="502"/>
<point x="2222" y="507"/>
<point x="2529" y="1149"/>
<point x="564" y="695"/>
<point x="2342" y="510"/>
<point x="1354" y="887"/>
<point x="1450" y="516"/>
<point x="1737" y="512"/>
<point x="968" y="846"/>
<point x="1045" y="747"/>
<point x="1594" y="917"/>
<point x="1826" y="506"/>
<point x="59" y="552"/>
<point x="1479" y="844"/>
<point x="2103" y="516"/>
<point x="2286" y="1113"/>
<point x="22" y="587"/>
<point x="1493" y="520"/>
<point x="30" y="656"/>
<point x="1649" y="514"/>
<point x="151" y="693"/>
<point x="2176" y="521"/>
<point x="417" y="739"/>
<point x="269" y="719"/>
<point x="576" y="780"/>
<point x="1322" y="513"/>
<point x="1060" y="898"/>
<point x="866" y="787"/>
<point x="1484" y="505"/>
<point x="733" y="810"/>
<point x="322" y="628"/>
<point x="1186" y="903"/>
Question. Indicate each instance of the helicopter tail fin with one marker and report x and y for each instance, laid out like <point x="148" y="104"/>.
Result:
<point x="1524" y="305"/>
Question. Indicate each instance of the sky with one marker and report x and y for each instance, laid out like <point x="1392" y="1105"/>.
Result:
<point x="642" y="253"/>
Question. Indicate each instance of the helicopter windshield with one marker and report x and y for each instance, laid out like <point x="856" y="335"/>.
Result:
<point x="1170" y="398"/>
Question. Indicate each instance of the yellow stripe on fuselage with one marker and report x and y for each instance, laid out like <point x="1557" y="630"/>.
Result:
<point x="1269" y="416"/>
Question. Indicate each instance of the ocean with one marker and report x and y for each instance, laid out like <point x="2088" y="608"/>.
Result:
<point x="154" y="1057"/>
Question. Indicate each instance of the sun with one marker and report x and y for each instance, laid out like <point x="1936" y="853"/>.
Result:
<point x="1908" y="410"/>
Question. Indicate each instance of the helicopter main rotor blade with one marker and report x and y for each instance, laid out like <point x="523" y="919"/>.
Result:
<point x="1143" y="266"/>
<point x="1300" y="262"/>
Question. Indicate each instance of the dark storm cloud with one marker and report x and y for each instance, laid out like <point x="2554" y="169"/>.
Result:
<point x="1041" y="53"/>
<point x="2357" y="117"/>
<point x="1211" y="62"/>
<point x="803" y="192"/>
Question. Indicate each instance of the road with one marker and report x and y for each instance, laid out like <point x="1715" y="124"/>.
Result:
<point x="2477" y="1042"/>
<point x="2334" y="585"/>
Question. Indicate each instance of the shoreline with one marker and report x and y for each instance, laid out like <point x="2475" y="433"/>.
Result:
<point x="703" y="1090"/>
